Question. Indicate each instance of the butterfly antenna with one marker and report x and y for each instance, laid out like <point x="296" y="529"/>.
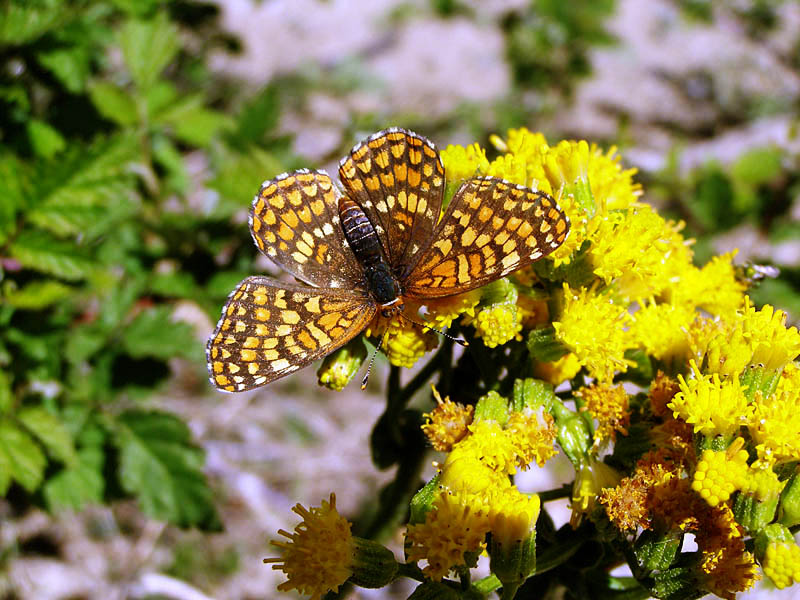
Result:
<point x="372" y="360"/>
<point x="425" y="326"/>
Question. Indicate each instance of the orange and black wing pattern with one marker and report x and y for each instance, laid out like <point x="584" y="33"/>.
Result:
<point x="491" y="228"/>
<point x="294" y="220"/>
<point x="397" y="178"/>
<point x="269" y="329"/>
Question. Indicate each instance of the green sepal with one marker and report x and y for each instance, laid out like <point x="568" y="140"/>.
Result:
<point x="753" y="514"/>
<point x="374" y="565"/>
<point x="501" y="291"/>
<point x="758" y="379"/>
<point x="790" y="502"/>
<point x="543" y="345"/>
<point x="515" y="563"/>
<point x="774" y="533"/>
<point x="492" y="407"/>
<point x="532" y="393"/>
<point x="423" y="500"/>
<point x="679" y="583"/>
<point x="656" y="551"/>
<point x="434" y="590"/>
<point x="574" y="435"/>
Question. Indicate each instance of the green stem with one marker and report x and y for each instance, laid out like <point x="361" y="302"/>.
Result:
<point x="565" y="491"/>
<point x="410" y="570"/>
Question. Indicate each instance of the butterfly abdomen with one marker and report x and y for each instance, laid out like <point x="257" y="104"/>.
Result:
<point x="364" y="242"/>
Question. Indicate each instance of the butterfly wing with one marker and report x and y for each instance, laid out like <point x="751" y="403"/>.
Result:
<point x="491" y="228"/>
<point x="294" y="220"/>
<point x="397" y="178"/>
<point x="269" y="329"/>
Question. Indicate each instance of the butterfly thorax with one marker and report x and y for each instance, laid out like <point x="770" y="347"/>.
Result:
<point x="363" y="240"/>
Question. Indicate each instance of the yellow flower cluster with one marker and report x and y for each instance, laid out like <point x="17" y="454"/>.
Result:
<point x="782" y="564"/>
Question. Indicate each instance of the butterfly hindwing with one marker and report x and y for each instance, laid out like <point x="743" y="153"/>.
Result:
<point x="294" y="220"/>
<point x="269" y="329"/>
<point x="397" y="178"/>
<point x="491" y="228"/>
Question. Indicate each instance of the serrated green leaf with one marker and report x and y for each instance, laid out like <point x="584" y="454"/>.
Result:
<point x="45" y="140"/>
<point x="174" y="285"/>
<point x="50" y="431"/>
<point x="148" y="46"/>
<point x="37" y="294"/>
<point x="153" y="333"/>
<point x="74" y="488"/>
<point x="113" y="103"/>
<point x="39" y="251"/>
<point x="192" y="122"/>
<point x="20" y="457"/>
<point x="159" y="464"/>
<point x="87" y="189"/>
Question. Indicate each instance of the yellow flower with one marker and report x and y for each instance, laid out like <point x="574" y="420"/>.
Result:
<point x="512" y="519"/>
<point x="558" y="371"/>
<point x="319" y="554"/>
<point x="713" y="406"/>
<point x="404" y="342"/>
<point x="465" y="471"/>
<point x="719" y="347"/>
<point x="462" y="163"/>
<point x="781" y="564"/>
<point x="636" y="247"/>
<point x="441" y="312"/>
<point x="773" y="345"/>
<point x="498" y="324"/>
<point x="775" y="426"/>
<point x="714" y="288"/>
<point x="661" y="330"/>
<point x="447" y="423"/>
<point x="495" y="448"/>
<point x="533" y="435"/>
<point x="609" y="405"/>
<point x="592" y="325"/>
<point x="454" y="527"/>
<point x="719" y="474"/>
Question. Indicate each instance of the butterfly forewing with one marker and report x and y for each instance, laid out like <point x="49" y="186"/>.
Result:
<point x="491" y="228"/>
<point x="269" y="329"/>
<point x="295" y="221"/>
<point x="397" y="178"/>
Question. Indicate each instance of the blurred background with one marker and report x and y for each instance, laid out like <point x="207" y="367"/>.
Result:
<point x="133" y="136"/>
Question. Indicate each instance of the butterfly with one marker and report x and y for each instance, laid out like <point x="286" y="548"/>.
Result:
<point x="361" y="254"/>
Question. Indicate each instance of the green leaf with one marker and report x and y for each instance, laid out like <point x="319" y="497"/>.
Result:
<point x="23" y="22"/>
<point x="37" y="294"/>
<point x="71" y="66"/>
<point x="50" y="431"/>
<point x="238" y="178"/>
<point x="6" y="393"/>
<point x="20" y="458"/>
<point x="159" y="464"/>
<point x="45" y="140"/>
<point x="14" y="182"/>
<point x="193" y="123"/>
<point x="258" y="117"/>
<point x="74" y="487"/>
<point x="88" y="189"/>
<point x="39" y="251"/>
<point x="147" y="47"/>
<point x="758" y="166"/>
<point x="153" y="333"/>
<point x="113" y="103"/>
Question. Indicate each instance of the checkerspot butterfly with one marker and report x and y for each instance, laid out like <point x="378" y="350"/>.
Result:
<point x="359" y="255"/>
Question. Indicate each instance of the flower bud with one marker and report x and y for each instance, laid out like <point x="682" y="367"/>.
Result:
<point x="373" y="565"/>
<point x="340" y="367"/>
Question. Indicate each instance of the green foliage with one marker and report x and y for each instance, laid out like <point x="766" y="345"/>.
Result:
<point x="99" y="238"/>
